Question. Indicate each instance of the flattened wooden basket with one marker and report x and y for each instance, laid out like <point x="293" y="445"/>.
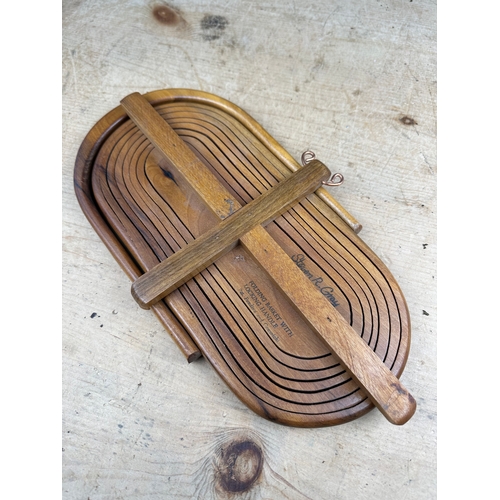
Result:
<point x="313" y="333"/>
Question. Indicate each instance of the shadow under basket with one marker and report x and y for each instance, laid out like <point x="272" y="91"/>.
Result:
<point x="233" y="312"/>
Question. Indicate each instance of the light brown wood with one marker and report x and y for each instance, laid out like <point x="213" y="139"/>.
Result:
<point x="173" y="272"/>
<point x="380" y="385"/>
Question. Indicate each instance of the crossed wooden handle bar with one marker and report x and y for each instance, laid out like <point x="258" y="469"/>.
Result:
<point x="244" y="225"/>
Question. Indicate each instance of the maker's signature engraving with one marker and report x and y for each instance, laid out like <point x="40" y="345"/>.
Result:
<point x="327" y="291"/>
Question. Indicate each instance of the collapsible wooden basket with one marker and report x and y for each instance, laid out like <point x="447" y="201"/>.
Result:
<point x="301" y="319"/>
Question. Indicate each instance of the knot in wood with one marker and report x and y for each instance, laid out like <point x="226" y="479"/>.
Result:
<point x="166" y="15"/>
<point x="238" y="465"/>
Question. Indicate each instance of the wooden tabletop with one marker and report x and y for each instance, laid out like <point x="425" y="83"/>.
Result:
<point x="356" y="83"/>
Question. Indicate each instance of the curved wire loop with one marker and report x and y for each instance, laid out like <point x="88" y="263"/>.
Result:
<point x="335" y="180"/>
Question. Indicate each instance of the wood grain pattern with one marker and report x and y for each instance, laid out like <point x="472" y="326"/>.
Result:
<point x="257" y="342"/>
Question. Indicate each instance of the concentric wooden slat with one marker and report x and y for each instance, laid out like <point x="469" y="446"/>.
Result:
<point x="127" y="190"/>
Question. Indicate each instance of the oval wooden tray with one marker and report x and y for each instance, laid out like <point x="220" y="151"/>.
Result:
<point x="232" y="312"/>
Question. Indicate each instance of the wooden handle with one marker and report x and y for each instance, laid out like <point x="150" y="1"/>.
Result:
<point x="173" y="272"/>
<point x="377" y="381"/>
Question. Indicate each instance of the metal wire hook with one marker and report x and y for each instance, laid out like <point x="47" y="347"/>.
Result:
<point x="335" y="180"/>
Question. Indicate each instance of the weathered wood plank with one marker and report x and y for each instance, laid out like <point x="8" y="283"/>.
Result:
<point x="354" y="82"/>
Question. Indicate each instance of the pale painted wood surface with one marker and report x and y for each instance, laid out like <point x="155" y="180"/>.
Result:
<point x="356" y="83"/>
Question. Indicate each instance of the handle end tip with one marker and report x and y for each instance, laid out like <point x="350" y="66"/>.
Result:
<point x="401" y="411"/>
<point x="137" y="297"/>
